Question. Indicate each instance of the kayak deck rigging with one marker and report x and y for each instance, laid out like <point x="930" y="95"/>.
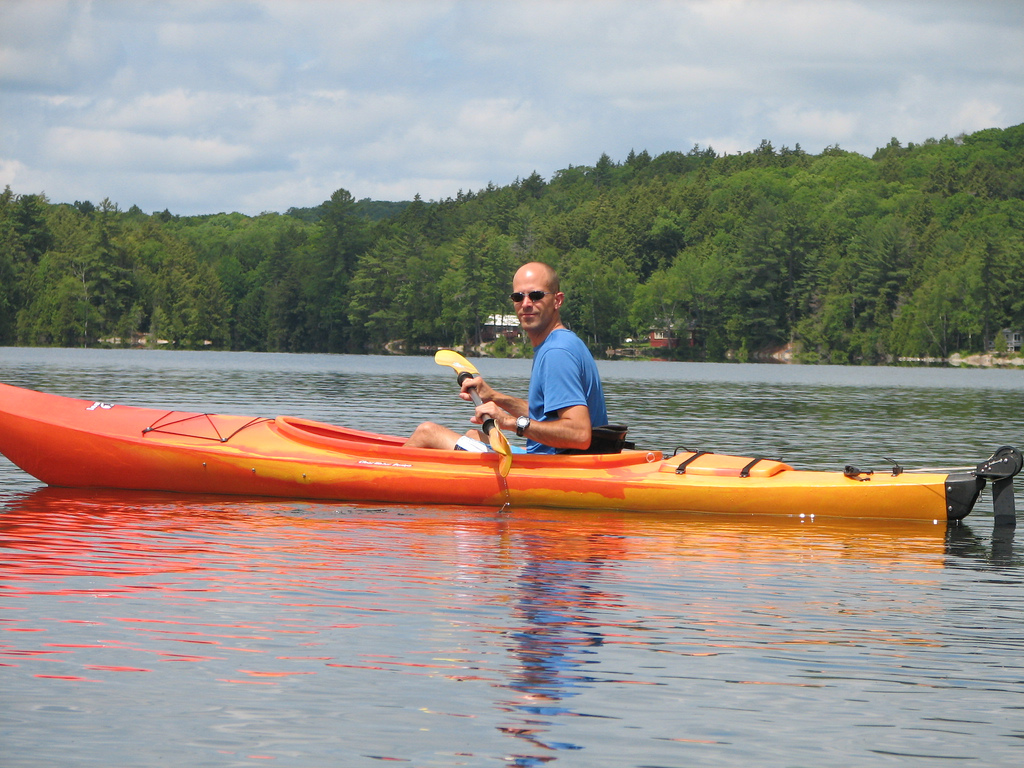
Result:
<point x="164" y="425"/>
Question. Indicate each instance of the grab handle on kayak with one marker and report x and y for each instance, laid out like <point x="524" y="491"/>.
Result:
<point x="856" y="473"/>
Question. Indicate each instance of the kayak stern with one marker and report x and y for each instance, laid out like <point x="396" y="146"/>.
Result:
<point x="962" y="492"/>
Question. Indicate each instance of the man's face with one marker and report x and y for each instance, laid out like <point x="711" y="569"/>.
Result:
<point x="536" y="315"/>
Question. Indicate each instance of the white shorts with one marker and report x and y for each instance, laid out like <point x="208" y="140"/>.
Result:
<point x="474" y="446"/>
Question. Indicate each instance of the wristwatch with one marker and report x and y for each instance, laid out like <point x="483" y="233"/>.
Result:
<point x="521" y="424"/>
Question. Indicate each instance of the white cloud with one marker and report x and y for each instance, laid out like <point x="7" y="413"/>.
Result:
<point x="173" y="110"/>
<point x="976" y="115"/>
<point x="11" y="173"/>
<point x="120" y="151"/>
<point x="823" y="127"/>
<point x="653" y="86"/>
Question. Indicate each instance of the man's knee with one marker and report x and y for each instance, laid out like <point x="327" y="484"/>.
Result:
<point x="431" y="435"/>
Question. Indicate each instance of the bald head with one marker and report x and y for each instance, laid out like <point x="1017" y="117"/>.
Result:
<point x="536" y="272"/>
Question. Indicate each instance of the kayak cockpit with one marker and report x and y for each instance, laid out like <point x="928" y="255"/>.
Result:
<point x="346" y="440"/>
<point x="319" y="433"/>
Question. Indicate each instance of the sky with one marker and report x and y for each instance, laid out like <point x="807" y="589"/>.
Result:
<point x="212" y="106"/>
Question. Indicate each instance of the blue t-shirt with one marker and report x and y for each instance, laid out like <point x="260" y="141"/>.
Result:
<point x="564" y="374"/>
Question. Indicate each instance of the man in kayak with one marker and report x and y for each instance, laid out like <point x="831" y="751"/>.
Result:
<point x="565" y="400"/>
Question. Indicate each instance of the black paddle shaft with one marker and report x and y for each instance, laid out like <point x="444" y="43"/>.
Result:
<point x="488" y="425"/>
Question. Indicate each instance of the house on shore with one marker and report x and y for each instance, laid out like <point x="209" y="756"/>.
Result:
<point x="1014" y="340"/>
<point x="500" y="325"/>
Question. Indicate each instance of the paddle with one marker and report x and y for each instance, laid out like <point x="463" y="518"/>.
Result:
<point x="463" y="368"/>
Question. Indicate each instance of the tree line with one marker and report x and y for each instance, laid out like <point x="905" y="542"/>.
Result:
<point x="917" y="251"/>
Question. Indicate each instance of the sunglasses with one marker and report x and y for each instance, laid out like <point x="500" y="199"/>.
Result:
<point x="535" y="296"/>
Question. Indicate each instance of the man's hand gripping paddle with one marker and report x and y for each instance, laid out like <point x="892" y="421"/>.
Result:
<point x="464" y="369"/>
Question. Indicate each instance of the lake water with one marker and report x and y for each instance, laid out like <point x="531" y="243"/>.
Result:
<point x="157" y="629"/>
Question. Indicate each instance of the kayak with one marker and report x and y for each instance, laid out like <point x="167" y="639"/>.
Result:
<point x="73" y="443"/>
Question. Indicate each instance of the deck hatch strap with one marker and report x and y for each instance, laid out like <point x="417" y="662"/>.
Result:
<point x="745" y="472"/>
<point x="681" y="469"/>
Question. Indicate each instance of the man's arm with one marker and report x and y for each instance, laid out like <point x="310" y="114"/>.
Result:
<point x="569" y="429"/>
<point x="511" y="405"/>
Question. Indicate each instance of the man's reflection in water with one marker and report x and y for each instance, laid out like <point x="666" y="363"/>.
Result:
<point x="561" y="632"/>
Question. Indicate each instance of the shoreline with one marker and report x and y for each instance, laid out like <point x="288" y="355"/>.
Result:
<point x="985" y="361"/>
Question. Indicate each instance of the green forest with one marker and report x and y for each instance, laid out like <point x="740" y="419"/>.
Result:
<point x="917" y="251"/>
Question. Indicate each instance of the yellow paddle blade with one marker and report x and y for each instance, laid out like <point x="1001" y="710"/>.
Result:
<point x="499" y="442"/>
<point x="505" y="464"/>
<point x="455" y="361"/>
